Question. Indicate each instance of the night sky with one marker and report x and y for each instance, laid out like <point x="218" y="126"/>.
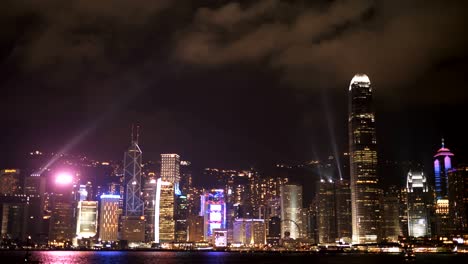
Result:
<point x="230" y="83"/>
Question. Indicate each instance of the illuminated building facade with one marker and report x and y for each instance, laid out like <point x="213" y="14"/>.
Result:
<point x="419" y="203"/>
<point x="62" y="220"/>
<point x="291" y="207"/>
<point x="170" y="168"/>
<point x="365" y="191"/>
<point x="87" y="219"/>
<point x="249" y="232"/>
<point x="9" y="181"/>
<point x="326" y="212"/>
<point x="133" y="219"/>
<point x="180" y="217"/>
<point x="214" y="211"/>
<point x="195" y="228"/>
<point x="442" y="164"/>
<point x="458" y="198"/>
<point x="164" y="224"/>
<point x="109" y="217"/>
<point x="149" y="198"/>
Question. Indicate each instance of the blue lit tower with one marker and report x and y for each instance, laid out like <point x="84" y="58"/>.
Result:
<point x="442" y="164"/>
<point x="365" y="191"/>
<point x="132" y="176"/>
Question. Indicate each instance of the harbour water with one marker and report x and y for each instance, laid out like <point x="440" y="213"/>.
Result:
<point x="158" y="257"/>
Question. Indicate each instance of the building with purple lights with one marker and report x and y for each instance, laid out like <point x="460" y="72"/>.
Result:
<point x="442" y="164"/>
<point x="214" y="212"/>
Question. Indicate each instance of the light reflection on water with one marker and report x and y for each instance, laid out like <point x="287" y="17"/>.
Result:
<point x="154" y="257"/>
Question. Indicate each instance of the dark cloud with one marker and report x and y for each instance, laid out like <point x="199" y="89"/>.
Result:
<point x="395" y="42"/>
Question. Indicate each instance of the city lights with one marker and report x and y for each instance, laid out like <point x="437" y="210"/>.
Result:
<point x="64" y="178"/>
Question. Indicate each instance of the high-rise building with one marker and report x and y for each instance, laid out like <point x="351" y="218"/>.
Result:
<point x="326" y="212"/>
<point x="164" y="224"/>
<point x="195" y="228"/>
<point x="390" y="217"/>
<point x="9" y="181"/>
<point x="458" y="198"/>
<point x="170" y="168"/>
<point x="109" y="217"/>
<point x="250" y="232"/>
<point x="274" y="230"/>
<point x="87" y="219"/>
<point x="291" y="207"/>
<point x="149" y="198"/>
<point x="419" y="204"/>
<point x="13" y="216"/>
<point x="442" y="164"/>
<point x="333" y="212"/>
<point x="180" y="217"/>
<point x="133" y="219"/>
<point x="214" y="211"/>
<point x="365" y="191"/>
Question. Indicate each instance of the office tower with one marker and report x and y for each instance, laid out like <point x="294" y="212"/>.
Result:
<point x="390" y="217"/>
<point x="343" y="210"/>
<point x="34" y="188"/>
<point x="403" y="210"/>
<point x="274" y="231"/>
<point x="332" y="212"/>
<point x="62" y="221"/>
<point x="442" y="164"/>
<point x="249" y="232"/>
<point x="214" y="211"/>
<point x="164" y="224"/>
<point x="133" y="219"/>
<point x="180" y="217"/>
<point x="326" y="212"/>
<point x="195" y="228"/>
<point x="170" y="168"/>
<point x="291" y="207"/>
<point x="13" y="216"/>
<point x="419" y="203"/>
<point x="149" y="198"/>
<point x="186" y="179"/>
<point x="458" y="198"/>
<point x="9" y="182"/>
<point x="365" y="191"/>
<point x="109" y="213"/>
<point x="87" y="219"/>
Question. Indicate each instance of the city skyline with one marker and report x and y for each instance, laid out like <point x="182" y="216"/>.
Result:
<point x="272" y="89"/>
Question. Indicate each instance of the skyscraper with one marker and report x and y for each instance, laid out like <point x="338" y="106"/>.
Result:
<point x="170" y="168"/>
<point x="365" y="191"/>
<point x="442" y="164"/>
<point x="109" y="217"/>
<point x="164" y="224"/>
<point x="291" y="207"/>
<point x="419" y="202"/>
<point x="133" y="219"/>
<point x="214" y="211"/>
<point x="87" y="219"/>
<point x="132" y="179"/>
<point x="458" y="198"/>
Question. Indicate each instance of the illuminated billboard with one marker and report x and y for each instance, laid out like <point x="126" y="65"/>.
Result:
<point x="220" y="238"/>
<point x="214" y="211"/>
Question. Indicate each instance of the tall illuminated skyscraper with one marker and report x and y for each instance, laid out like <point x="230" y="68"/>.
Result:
<point x="442" y="164"/>
<point x="214" y="212"/>
<point x="365" y="191"/>
<point x="419" y="202"/>
<point x="132" y="179"/>
<point x="164" y="223"/>
<point x="133" y="219"/>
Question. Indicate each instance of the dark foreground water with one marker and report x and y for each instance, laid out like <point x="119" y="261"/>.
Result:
<point x="124" y="257"/>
